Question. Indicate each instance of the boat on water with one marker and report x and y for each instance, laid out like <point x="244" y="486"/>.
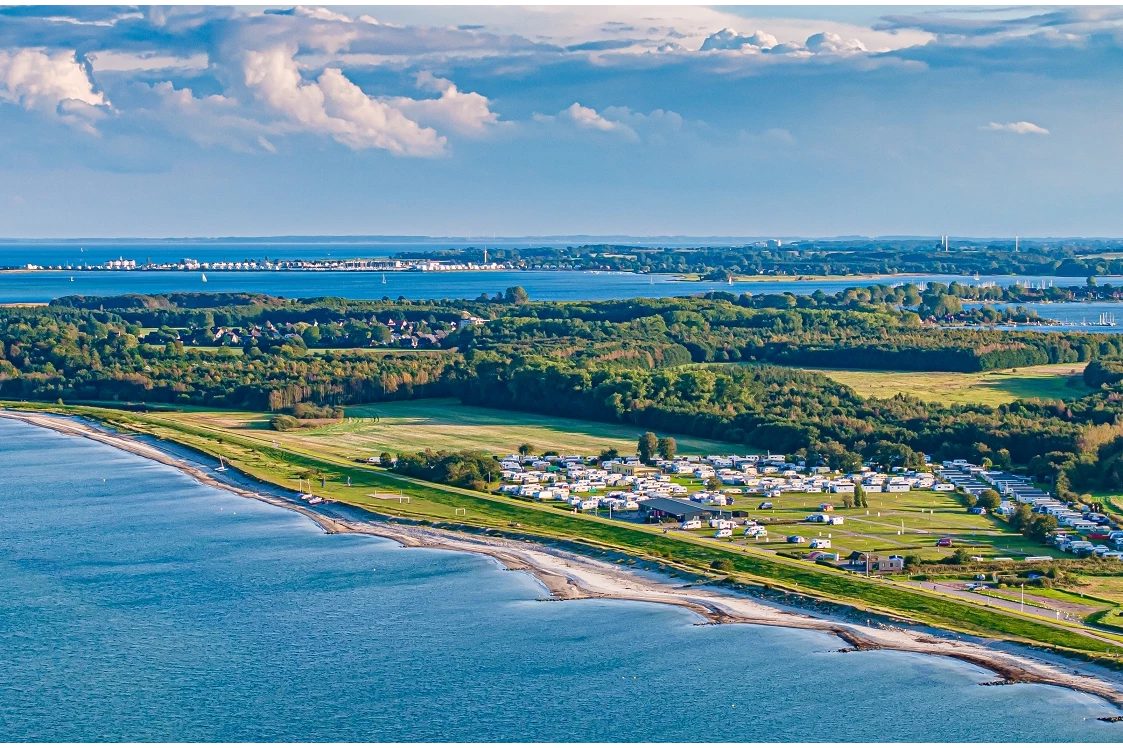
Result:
<point x="204" y="277"/>
<point x="221" y="466"/>
<point x="384" y="277"/>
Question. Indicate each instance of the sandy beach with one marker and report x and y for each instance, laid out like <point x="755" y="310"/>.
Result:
<point x="569" y="576"/>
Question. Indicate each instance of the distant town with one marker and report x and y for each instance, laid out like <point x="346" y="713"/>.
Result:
<point x="371" y="265"/>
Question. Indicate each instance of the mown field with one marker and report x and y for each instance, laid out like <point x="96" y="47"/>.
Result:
<point x="1052" y="381"/>
<point x="446" y="424"/>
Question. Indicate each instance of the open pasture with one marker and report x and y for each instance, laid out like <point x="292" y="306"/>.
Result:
<point x="1051" y="381"/>
<point x="445" y="424"/>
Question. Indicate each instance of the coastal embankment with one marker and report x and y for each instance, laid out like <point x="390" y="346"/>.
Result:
<point x="568" y="575"/>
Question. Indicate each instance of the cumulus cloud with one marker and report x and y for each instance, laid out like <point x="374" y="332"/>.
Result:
<point x="729" y="39"/>
<point x="335" y="106"/>
<point x="822" y="43"/>
<point x="586" y="118"/>
<point x="463" y="111"/>
<point x="829" y="42"/>
<point x="51" y="82"/>
<point x="1018" y="128"/>
<point x="35" y="78"/>
<point x="207" y="120"/>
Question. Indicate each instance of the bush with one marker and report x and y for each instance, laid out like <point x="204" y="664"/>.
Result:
<point x="722" y="564"/>
<point x="284" y="423"/>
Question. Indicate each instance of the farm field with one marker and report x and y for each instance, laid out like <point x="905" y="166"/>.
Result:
<point x="1052" y="381"/>
<point x="446" y="424"/>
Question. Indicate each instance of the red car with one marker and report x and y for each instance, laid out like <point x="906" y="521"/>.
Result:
<point x="943" y="543"/>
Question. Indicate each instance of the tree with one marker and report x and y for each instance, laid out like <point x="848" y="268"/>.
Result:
<point x="714" y="484"/>
<point x="648" y="445"/>
<point x="989" y="500"/>
<point x="667" y="447"/>
<point x="607" y="455"/>
<point x="1041" y="526"/>
<point x="386" y="460"/>
<point x="525" y="449"/>
<point x="859" y="495"/>
<point x="516" y="295"/>
<point x="1021" y="517"/>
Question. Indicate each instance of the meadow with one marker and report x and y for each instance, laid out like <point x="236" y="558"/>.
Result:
<point x="445" y="424"/>
<point x="1051" y="381"/>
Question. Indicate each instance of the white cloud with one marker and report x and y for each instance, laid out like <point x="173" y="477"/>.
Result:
<point x="335" y="106"/>
<point x="463" y="111"/>
<point x="729" y="39"/>
<point x="34" y="79"/>
<point x="57" y="83"/>
<point x="1019" y="128"/>
<point x="831" y="43"/>
<point x="207" y="120"/>
<point x="587" y="118"/>
<point x="320" y="14"/>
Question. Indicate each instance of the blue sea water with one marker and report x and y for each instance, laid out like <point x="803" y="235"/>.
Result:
<point x="137" y="604"/>
<point x="43" y="286"/>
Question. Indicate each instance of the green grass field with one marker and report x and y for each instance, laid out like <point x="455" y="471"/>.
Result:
<point x="446" y="424"/>
<point x="1052" y="381"/>
<point x="905" y="523"/>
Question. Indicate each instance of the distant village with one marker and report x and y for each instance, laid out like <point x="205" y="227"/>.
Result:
<point x="381" y="265"/>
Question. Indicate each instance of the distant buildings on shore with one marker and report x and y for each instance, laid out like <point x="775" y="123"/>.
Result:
<point x="374" y="265"/>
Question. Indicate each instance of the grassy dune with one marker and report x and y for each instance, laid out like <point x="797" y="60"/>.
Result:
<point x="446" y="424"/>
<point x="1052" y="381"/>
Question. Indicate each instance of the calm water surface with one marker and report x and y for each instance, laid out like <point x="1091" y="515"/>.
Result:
<point x="41" y="286"/>
<point x="136" y="604"/>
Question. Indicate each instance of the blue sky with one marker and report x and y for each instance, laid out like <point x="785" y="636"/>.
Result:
<point x="515" y="121"/>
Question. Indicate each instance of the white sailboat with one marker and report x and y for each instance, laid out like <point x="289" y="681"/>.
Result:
<point x="384" y="278"/>
<point x="204" y="278"/>
<point x="221" y="466"/>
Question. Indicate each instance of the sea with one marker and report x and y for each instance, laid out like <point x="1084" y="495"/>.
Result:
<point x="542" y="285"/>
<point x="139" y="605"/>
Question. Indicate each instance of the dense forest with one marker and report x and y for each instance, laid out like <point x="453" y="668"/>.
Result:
<point x="1069" y="258"/>
<point x="705" y="366"/>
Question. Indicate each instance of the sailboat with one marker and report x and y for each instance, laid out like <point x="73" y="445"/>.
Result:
<point x="221" y="466"/>
<point x="384" y="277"/>
<point x="204" y="277"/>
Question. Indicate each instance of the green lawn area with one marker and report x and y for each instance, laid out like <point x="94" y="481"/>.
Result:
<point x="446" y="424"/>
<point x="1052" y="381"/>
<point x="906" y="523"/>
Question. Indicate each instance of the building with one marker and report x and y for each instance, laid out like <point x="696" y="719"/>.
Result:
<point x="877" y="563"/>
<point x="681" y="511"/>
<point x="629" y="468"/>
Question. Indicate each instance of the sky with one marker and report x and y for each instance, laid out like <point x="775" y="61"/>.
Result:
<point x="520" y="121"/>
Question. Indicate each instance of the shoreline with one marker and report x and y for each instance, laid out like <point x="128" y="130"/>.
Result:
<point x="568" y="575"/>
